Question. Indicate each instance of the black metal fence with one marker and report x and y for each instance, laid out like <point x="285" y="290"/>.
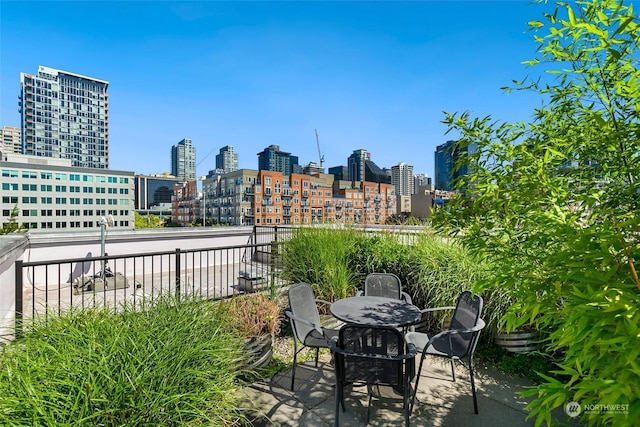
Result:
<point x="49" y="287"/>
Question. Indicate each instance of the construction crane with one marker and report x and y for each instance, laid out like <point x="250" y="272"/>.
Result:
<point x="320" y="156"/>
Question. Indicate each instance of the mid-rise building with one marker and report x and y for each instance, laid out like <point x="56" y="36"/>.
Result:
<point x="313" y="169"/>
<point x="272" y="159"/>
<point x="402" y="179"/>
<point x="227" y="160"/>
<point x="340" y="173"/>
<point x="65" y="115"/>
<point x="421" y="180"/>
<point x="155" y="191"/>
<point x="183" y="160"/>
<point x="249" y="197"/>
<point x="185" y="203"/>
<point x="51" y="194"/>
<point x="10" y="141"/>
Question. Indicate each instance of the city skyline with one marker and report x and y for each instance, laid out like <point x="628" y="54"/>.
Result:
<point x="367" y="75"/>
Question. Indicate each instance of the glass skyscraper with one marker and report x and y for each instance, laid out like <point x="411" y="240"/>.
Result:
<point x="446" y="157"/>
<point x="65" y="115"/>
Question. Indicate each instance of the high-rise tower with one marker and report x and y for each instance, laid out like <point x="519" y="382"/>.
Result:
<point x="65" y="115"/>
<point x="10" y="141"/>
<point x="272" y="159"/>
<point x="402" y="179"/>
<point x="356" y="164"/>
<point x="227" y="160"/>
<point x="183" y="160"/>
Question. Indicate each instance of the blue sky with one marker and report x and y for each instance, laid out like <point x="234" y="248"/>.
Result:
<point x="367" y="75"/>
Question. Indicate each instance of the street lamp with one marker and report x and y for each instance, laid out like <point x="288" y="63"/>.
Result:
<point x="204" y="202"/>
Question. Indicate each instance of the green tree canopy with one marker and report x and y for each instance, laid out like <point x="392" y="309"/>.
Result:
<point x="554" y="205"/>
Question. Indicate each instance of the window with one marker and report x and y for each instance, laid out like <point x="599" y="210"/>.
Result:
<point x="7" y="186"/>
<point x="9" y="173"/>
<point x="124" y="180"/>
<point x="61" y="176"/>
<point x="29" y="174"/>
<point x="44" y="187"/>
<point x="87" y="178"/>
<point x="74" y="177"/>
<point x="124" y="191"/>
<point x="46" y="200"/>
<point x="74" y="189"/>
<point x="100" y="178"/>
<point x="61" y="200"/>
<point x="87" y="189"/>
<point x="46" y="175"/>
<point x="87" y="201"/>
<point x="112" y="179"/>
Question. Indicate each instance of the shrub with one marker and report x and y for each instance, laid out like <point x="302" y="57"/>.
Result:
<point x="168" y="363"/>
<point x="252" y="315"/>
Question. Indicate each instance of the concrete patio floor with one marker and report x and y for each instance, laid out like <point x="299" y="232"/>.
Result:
<point x="440" y="402"/>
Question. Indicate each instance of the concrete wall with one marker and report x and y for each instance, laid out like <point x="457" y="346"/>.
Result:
<point x="12" y="248"/>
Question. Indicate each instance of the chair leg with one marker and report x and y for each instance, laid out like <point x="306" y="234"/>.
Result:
<point x="473" y="386"/>
<point x="295" y="356"/>
<point x="369" y="403"/>
<point x="338" y="401"/>
<point x="405" y="397"/>
<point x="317" y="353"/>
<point x="415" y="387"/>
<point x="453" y="370"/>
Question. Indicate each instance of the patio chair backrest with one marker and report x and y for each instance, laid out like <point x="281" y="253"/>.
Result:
<point x="358" y="340"/>
<point x="303" y="305"/>
<point x="465" y="316"/>
<point x="383" y="285"/>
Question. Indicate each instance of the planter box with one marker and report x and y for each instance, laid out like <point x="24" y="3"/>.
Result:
<point x="252" y="280"/>
<point x="517" y="341"/>
<point x="260" y="351"/>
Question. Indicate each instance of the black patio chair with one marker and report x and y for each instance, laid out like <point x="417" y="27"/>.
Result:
<point x="384" y="285"/>
<point x="455" y="343"/>
<point x="305" y="322"/>
<point x="373" y="356"/>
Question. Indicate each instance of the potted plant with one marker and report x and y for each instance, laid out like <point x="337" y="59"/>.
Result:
<point x="256" y="318"/>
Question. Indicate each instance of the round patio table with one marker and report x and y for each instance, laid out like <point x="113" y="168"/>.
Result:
<point x="376" y="311"/>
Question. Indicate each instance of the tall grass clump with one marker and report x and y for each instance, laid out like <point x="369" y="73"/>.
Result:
<point x="166" y="363"/>
<point x="320" y="257"/>
<point x="444" y="268"/>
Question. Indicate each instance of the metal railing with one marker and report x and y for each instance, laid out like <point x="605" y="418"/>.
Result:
<point x="47" y="288"/>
